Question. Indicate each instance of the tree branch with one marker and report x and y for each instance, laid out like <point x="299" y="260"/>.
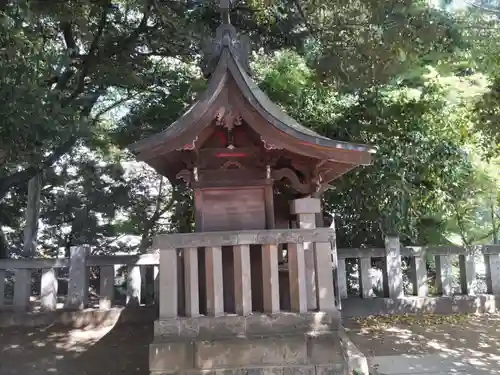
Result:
<point x="88" y="59"/>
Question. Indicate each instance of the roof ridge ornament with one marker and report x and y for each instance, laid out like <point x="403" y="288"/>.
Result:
<point x="225" y="37"/>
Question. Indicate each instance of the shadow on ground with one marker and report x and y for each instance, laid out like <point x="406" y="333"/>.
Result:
<point x="112" y="350"/>
<point x="470" y="345"/>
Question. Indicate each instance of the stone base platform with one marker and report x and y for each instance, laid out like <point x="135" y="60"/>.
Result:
<point x="280" y="344"/>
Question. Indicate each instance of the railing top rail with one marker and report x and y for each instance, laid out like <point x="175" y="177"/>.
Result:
<point x="419" y="251"/>
<point x="127" y="260"/>
<point x="244" y="237"/>
<point x="93" y="260"/>
<point x="37" y="263"/>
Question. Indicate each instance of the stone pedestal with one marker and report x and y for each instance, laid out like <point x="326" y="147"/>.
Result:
<point x="283" y="343"/>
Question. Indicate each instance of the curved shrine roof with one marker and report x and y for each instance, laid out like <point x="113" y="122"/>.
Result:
<point x="230" y="61"/>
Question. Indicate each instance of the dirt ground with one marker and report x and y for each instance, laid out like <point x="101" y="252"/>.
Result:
<point x="61" y="351"/>
<point x="477" y="335"/>
<point x="123" y="349"/>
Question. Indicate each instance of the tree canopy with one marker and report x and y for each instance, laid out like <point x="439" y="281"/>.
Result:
<point x="80" y="80"/>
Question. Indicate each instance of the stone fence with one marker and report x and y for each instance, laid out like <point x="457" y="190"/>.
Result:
<point x="78" y="265"/>
<point x="143" y="272"/>
<point x="445" y="257"/>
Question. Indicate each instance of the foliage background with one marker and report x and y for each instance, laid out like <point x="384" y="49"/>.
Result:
<point x="80" y="80"/>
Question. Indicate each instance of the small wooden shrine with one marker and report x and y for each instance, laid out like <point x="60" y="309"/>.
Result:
<point x="239" y="151"/>
<point x="256" y="174"/>
<point x="242" y="155"/>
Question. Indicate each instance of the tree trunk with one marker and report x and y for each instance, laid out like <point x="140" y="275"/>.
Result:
<point x="4" y="245"/>
<point x="32" y="216"/>
<point x="496" y="227"/>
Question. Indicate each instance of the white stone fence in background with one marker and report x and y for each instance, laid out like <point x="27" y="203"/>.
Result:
<point x="138" y="280"/>
<point x="445" y="258"/>
<point x="78" y="265"/>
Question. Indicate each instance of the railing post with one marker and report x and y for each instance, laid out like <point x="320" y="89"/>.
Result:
<point x="306" y="210"/>
<point x="156" y="284"/>
<point x="242" y="280"/>
<point x="48" y="289"/>
<point x="2" y="287"/>
<point x="444" y="275"/>
<point x="107" y="287"/>
<point x="365" y="265"/>
<point x="468" y="282"/>
<point x="22" y="288"/>
<point x="134" y="285"/>
<point x="78" y="278"/>
<point x="325" y="294"/>
<point x="191" y="281"/>
<point x="342" y="277"/>
<point x="393" y="267"/>
<point x="270" y="279"/>
<point x="214" y="281"/>
<point x="492" y="262"/>
<point x="296" y="274"/>
<point x="168" y="298"/>
<point x="419" y="275"/>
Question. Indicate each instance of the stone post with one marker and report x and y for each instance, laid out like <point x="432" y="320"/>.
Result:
<point x="48" y="289"/>
<point x="270" y="279"/>
<point x="214" y="281"/>
<point x="306" y="210"/>
<point x="242" y="280"/>
<point x="107" y="287"/>
<point x="342" y="278"/>
<point x="444" y="275"/>
<point x="22" y="288"/>
<point x="394" y="271"/>
<point x="468" y="283"/>
<point x="78" y="278"/>
<point x="134" y="286"/>
<point x="156" y="284"/>
<point x="2" y="287"/>
<point x="168" y="297"/>
<point x="419" y="275"/>
<point x="492" y="262"/>
<point x="325" y="294"/>
<point x="192" y="299"/>
<point x="296" y="274"/>
<point x="365" y="265"/>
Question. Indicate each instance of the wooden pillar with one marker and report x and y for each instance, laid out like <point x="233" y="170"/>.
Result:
<point x="191" y="289"/>
<point x="214" y="281"/>
<point x="297" y="277"/>
<point x="270" y="281"/>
